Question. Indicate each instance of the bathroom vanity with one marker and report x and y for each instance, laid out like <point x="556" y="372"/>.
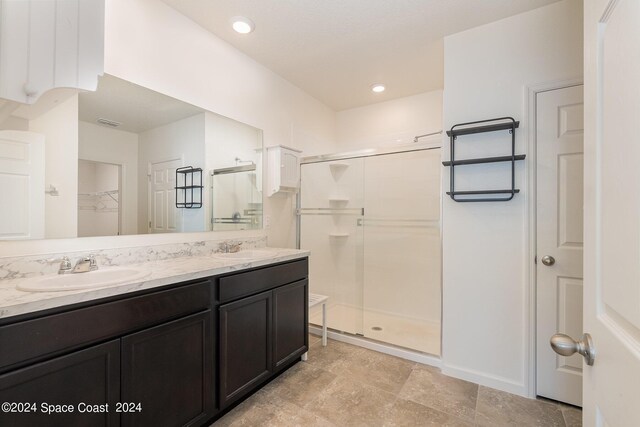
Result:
<point x="163" y="352"/>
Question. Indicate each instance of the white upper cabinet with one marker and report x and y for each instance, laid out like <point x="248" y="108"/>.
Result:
<point x="46" y="44"/>
<point x="283" y="169"/>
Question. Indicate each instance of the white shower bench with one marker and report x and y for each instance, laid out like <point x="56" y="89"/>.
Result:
<point x="315" y="299"/>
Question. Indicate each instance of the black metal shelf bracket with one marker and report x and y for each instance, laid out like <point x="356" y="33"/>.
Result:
<point x="189" y="194"/>
<point x="482" y="126"/>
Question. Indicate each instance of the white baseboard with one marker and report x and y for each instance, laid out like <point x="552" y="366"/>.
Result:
<point x="499" y="383"/>
<point x="414" y="356"/>
<point x="493" y="381"/>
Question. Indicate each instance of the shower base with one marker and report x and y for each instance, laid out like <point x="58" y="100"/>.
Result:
<point x="419" y="335"/>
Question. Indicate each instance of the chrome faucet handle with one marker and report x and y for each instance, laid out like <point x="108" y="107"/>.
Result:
<point x="93" y="264"/>
<point x="65" y="264"/>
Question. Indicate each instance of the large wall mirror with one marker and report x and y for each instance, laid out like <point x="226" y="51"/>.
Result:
<point x="125" y="160"/>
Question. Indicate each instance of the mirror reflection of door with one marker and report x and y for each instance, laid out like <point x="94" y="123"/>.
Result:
<point x="99" y="210"/>
<point x="163" y="214"/>
<point x="22" y="184"/>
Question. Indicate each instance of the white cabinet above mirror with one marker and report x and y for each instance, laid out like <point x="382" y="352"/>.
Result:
<point x="49" y="44"/>
<point x="111" y="156"/>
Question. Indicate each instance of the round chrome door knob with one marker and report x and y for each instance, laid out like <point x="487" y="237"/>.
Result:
<point x="564" y="345"/>
<point x="548" y="260"/>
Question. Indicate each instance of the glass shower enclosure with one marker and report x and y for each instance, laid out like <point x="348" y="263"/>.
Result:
<point x="372" y="224"/>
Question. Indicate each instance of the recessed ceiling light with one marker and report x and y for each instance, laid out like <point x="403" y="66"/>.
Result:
<point x="242" y="25"/>
<point x="377" y="88"/>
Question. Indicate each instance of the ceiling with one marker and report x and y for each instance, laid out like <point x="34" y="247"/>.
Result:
<point x="137" y="108"/>
<point x="336" y="49"/>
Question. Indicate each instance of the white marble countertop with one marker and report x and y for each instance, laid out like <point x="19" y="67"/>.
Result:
<point x="14" y="302"/>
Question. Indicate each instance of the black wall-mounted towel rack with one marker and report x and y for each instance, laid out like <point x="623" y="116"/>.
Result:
<point x="482" y="126"/>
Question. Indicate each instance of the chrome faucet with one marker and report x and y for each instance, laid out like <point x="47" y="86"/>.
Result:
<point x="85" y="264"/>
<point x="65" y="265"/>
<point x="230" y="247"/>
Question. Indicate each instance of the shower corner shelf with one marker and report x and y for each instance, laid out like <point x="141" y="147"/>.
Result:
<point x="491" y="125"/>
<point x="338" y="165"/>
<point x="338" y="235"/>
<point x="338" y="199"/>
<point x="192" y="186"/>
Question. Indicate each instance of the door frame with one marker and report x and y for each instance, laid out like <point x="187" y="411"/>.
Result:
<point x="531" y="199"/>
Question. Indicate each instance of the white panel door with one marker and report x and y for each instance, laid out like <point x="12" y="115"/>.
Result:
<point x="21" y="185"/>
<point x="612" y="212"/>
<point x="164" y="217"/>
<point x="560" y="134"/>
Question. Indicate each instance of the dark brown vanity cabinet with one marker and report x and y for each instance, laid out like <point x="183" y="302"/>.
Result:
<point x="261" y="333"/>
<point x="150" y="358"/>
<point x="176" y="356"/>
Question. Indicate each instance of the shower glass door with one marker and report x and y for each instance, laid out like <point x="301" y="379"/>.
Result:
<point x="331" y="205"/>
<point x="402" y="292"/>
<point x="373" y="227"/>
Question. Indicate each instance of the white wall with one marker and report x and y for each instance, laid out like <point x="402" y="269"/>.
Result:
<point x="60" y="128"/>
<point x="391" y="122"/>
<point x="101" y="144"/>
<point x="182" y="139"/>
<point x="485" y="247"/>
<point x="152" y="45"/>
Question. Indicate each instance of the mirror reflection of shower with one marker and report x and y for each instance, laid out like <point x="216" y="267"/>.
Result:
<point x="237" y="198"/>
<point x="98" y="199"/>
<point x="239" y="160"/>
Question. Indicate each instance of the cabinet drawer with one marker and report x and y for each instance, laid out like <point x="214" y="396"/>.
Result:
<point x="27" y="341"/>
<point x="252" y="282"/>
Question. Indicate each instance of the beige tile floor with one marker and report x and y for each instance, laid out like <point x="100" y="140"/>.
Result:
<point x="345" y="385"/>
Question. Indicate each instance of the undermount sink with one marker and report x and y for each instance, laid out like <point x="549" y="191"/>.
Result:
<point x="249" y="254"/>
<point x="75" y="281"/>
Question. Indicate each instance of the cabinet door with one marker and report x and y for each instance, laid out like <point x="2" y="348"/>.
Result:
<point x="50" y="44"/>
<point x="245" y="346"/>
<point x="289" y="169"/>
<point x="168" y="369"/>
<point x="290" y="322"/>
<point x="86" y="377"/>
